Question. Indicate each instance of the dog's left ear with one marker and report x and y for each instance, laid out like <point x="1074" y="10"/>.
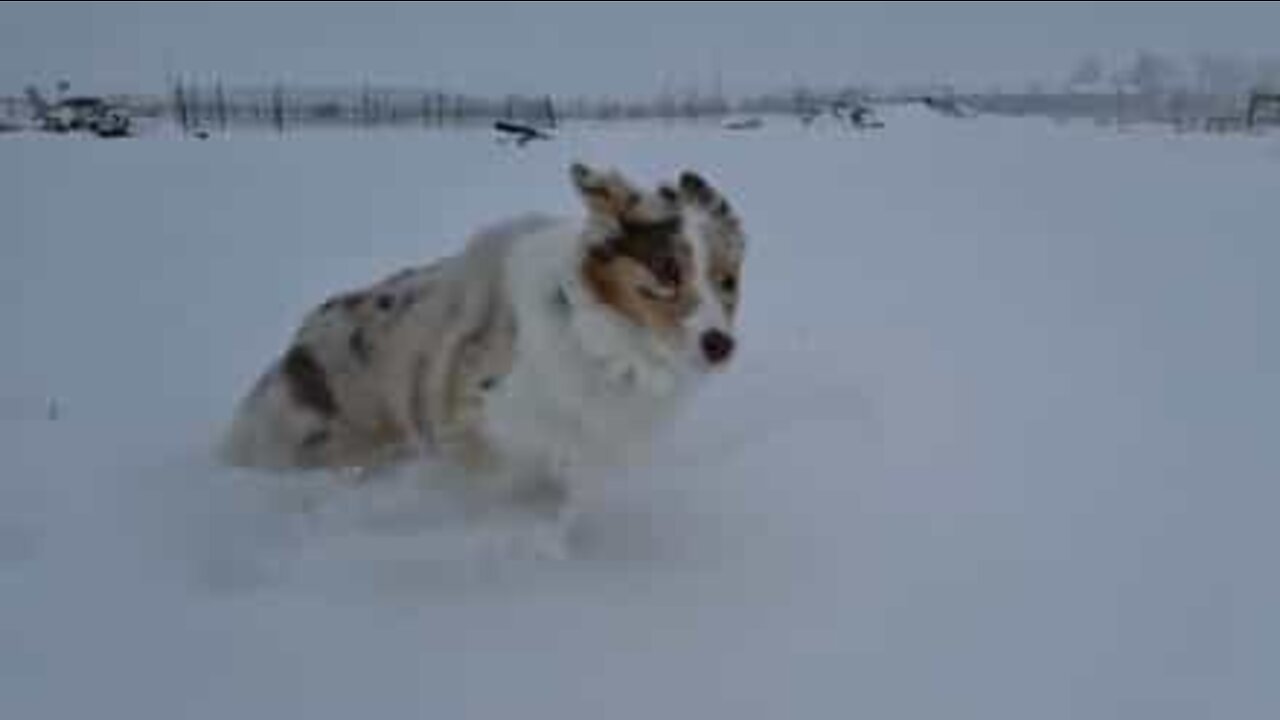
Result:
<point x="696" y="191"/>
<point x="605" y="193"/>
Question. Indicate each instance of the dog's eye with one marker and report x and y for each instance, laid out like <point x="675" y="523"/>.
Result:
<point x="665" y="269"/>
<point x="729" y="284"/>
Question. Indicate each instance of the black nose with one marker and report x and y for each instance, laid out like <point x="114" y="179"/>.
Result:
<point x="717" y="346"/>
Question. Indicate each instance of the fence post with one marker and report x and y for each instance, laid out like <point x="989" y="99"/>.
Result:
<point x="277" y="108"/>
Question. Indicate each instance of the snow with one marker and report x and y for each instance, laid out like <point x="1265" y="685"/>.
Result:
<point x="1000" y="442"/>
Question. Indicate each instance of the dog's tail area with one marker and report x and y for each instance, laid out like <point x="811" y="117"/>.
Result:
<point x="255" y="437"/>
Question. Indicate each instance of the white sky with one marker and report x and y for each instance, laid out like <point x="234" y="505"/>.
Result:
<point x="605" y="47"/>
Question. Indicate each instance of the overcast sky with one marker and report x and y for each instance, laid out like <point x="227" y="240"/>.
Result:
<point x="603" y="47"/>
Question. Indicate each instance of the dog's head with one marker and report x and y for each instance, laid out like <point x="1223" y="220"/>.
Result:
<point x="668" y="261"/>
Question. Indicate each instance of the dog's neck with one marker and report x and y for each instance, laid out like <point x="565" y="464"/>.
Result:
<point x="625" y="358"/>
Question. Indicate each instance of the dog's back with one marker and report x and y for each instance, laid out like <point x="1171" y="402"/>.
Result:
<point x="379" y="372"/>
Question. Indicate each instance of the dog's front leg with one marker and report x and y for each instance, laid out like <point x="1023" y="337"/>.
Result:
<point x="529" y="515"/>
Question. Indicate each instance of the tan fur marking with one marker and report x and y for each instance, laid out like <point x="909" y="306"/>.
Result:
<point x="625" y="284"/>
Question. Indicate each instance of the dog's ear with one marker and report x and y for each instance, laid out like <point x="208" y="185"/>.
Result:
<point x="696" y="191"/>
<point x="605" y="193"/>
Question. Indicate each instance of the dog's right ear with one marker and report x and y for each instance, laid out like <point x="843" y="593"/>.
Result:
<point x="606" y="194"/>
<point x="695" y="190"/>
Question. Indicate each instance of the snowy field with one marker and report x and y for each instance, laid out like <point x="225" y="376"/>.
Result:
<point x="1003" y="440"/>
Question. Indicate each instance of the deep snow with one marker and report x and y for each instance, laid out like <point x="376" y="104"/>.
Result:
<point x="1000" y="443"/>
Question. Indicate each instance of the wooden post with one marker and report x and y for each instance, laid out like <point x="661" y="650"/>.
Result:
<point x="180" y="106"/>
<point x="220" y="100"/>
<point x="277" y="108"/>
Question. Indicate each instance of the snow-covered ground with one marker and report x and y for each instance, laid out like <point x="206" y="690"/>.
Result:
<point x="1002" y="441"/>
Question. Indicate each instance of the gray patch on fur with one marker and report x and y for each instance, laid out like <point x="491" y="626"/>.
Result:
<point x="417" y="395"/>
<point x="307" y="381"/>
<point x="359" y="345"/>
<point x="315" y="439"/>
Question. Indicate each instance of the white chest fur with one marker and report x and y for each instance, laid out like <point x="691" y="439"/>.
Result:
<point x="585" y="387"/>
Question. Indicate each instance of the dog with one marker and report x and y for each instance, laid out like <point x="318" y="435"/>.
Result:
<point x="546" y="344"/>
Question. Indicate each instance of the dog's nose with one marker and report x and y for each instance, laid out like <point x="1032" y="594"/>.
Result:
<point x="717" y="346"/>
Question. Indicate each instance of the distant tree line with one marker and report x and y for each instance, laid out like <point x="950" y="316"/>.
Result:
<point x="195" y="105"/>
<point x="1141" y="87"/>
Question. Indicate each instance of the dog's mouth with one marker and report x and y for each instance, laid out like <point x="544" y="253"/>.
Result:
<point x="655" y="295"/>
